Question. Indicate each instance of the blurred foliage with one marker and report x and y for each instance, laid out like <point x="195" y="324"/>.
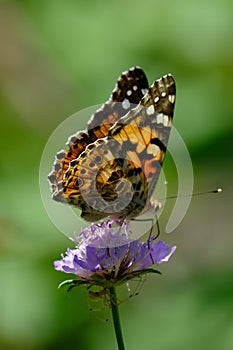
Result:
<point x="58" y="57"/>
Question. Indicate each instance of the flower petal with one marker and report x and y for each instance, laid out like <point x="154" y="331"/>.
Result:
<point x="103" y="250"/>
<point x="162" y="252"/>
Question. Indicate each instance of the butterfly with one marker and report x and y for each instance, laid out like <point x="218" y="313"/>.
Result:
<point x="111" y="169"/>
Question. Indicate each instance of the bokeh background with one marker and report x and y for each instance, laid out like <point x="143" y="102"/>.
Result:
<point x="57" y="57"/>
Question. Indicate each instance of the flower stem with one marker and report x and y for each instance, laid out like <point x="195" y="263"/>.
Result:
<point x="116" y="318"/>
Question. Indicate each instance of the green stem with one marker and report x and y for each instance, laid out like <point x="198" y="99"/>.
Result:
<point x="116" y="318"/>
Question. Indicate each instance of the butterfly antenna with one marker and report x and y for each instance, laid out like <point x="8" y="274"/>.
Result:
<point x="218" y="190"/>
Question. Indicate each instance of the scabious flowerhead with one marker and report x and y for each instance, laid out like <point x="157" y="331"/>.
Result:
<point x="105" y="254"/>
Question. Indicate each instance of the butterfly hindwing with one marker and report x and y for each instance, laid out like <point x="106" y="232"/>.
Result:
<point x="128" y="92"/>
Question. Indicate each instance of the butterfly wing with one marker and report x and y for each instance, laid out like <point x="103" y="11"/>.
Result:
<point x="129" y="90"/>
<point x="116" y="175"/>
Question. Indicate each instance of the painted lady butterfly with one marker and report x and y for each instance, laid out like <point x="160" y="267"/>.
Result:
<point x="112" y="168"/>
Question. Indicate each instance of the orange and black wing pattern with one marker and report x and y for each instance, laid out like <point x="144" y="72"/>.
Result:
<point x="129" y="90"/>
<point x="115" y="175"/>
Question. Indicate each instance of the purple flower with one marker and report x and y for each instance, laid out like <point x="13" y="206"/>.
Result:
<point x="105" y="253"/>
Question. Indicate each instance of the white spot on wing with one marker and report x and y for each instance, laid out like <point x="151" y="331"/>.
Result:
<point x="125" y="103"/>
<point x="156" y="99"/>
<point x="163" y="94"/>
<point x="129" y="92"/>
<point x="160" y="118"/>
<point x="150" y="110"/>
<point x="135" y="87"/>
<point x="171" y="98"/>
<point x="153" y="149"/>
<point x="144" y="91"/>
<point x="165" y="120"/>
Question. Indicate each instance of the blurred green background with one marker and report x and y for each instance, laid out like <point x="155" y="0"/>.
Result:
<point x="57" y="57"/>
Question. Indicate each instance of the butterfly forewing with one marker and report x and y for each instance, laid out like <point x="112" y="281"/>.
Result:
<point x="130" y="89"/>
<point x="143" y="133"/>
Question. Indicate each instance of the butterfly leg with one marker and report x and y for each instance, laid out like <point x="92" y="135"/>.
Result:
<point x="151" y="237"/>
